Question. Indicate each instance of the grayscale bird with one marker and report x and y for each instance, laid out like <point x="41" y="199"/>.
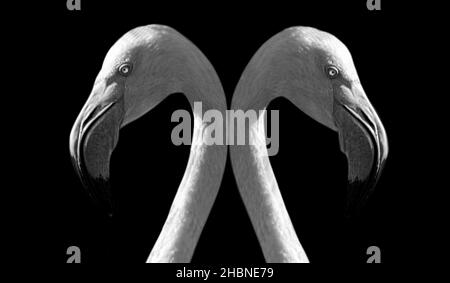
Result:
<point x="315" y="71"/>
<point x="140" y="70"/>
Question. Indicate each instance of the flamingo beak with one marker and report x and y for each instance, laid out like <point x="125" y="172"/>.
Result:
<point x="363" y="140"/>
<point x="93" y="139"/>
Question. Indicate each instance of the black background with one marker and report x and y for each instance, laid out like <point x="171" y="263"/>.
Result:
<point x="146" y="167"/>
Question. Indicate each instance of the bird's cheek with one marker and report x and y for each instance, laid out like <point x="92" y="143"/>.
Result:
<point x="132" y="102"/>
<point x="134" y="105"/>
<point x="327" y="103"/>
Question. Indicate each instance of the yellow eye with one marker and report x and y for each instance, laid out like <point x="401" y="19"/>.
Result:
<point x="125" y="69"/>
<point x="332" y="72"/>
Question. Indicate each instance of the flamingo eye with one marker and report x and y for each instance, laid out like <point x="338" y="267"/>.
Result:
<point x="125" y="69"/>
<point x="332" y="72"/>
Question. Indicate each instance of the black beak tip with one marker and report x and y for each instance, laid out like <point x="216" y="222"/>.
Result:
<point x="100" y="191"/>
<point x="357" y="195"/>
<point x="97" y="187"/>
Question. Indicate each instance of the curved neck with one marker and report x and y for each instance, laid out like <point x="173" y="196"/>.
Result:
<point x="259" y="190"/>
<point x="190" y="72"/>
<point x="194" y="198"/>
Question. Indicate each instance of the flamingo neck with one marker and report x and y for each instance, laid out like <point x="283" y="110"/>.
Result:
<point x="193" y="200"/>
<point x="259" y="190"/>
